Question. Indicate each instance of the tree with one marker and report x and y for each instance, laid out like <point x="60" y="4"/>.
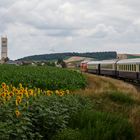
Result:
<point x="61" y="62"/>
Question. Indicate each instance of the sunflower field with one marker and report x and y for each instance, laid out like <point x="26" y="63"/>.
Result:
<point x="38" y="103"/>
<point x="48" y="78"/>
<point x="35" y="102"/>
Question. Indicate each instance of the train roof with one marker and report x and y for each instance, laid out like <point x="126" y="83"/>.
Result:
<point x="109" y="61"/>
<point x="129" y="61"/>
<point x="94" y="62"/>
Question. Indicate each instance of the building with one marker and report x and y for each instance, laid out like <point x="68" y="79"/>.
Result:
<point x="4" y="42"/>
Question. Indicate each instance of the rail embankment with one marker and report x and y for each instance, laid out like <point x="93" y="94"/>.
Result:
<point x="114" y="97"/>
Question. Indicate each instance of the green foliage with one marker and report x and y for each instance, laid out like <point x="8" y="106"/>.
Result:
<point x="121" y="98"/>
<point x="93" y="125"/>
<point x="68" y="134"/>
<point x="56" y="56"/>
<point x="62" y="63"/>
<point x="45" y="116"/>
<point x="52" y="64"/>
<point x="41" y="77"/>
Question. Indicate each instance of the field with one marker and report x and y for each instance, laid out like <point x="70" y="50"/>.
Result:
<point x="59" y="104"/>
<point x="41" y="77"/>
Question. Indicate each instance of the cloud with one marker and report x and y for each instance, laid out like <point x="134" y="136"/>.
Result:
<point x="37" y="27"/>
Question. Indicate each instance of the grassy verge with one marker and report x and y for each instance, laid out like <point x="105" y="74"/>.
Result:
<point x="96" y="125"/>
<point x="116" y="97"/>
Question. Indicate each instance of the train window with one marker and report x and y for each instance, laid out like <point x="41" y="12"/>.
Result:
<point x="134" y="67"/>
<point x="130" y="67"/>
<point x="107" y="66"/>
<point x="139" y="67"/>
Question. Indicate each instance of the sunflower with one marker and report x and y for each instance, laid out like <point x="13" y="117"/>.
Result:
<point x="31" y="92"/>
<point x="18" y="100"/>
<point x="17" y="113"/>
<point x="3" y="85"/>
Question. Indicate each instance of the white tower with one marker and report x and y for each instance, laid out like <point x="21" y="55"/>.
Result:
<point x="4" y="41"/>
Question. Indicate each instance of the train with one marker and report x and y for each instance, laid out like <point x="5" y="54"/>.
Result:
<point x="122" y="69"/>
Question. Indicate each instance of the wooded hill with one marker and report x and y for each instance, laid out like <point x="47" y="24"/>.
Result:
<point x="56" y="56"/>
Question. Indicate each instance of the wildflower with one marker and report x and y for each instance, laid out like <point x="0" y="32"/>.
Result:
<point x="14" y="89"/>
<point x="11" y="94"/>
<point x="17" y="113"/>
<point x="21" y="95"/>
<point x="21" y="90"/>
<point x="57" y="92"/>
<point x="31" y="92"/>
<point x="48" y="93"/>
<point x="6" y="91"/>
<point x="3" y="95"/>
<point x="18" y="100"/>
<point x="61" y="93"/>
<point x="3" y="85"/>
<point x="8" y="98"/>
<point x="26" y="94"/>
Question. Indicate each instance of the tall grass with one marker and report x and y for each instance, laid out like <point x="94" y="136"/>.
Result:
<point x="121" y="98"/>
<point x="93" y="125"/>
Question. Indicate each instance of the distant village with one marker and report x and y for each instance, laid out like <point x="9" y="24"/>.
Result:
<point x="70" y="62"/>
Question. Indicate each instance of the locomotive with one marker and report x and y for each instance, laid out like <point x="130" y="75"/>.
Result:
<point x="124" y="69"/>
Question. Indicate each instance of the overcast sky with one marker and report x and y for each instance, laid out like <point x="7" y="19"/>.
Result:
<point x="50" y="26"/>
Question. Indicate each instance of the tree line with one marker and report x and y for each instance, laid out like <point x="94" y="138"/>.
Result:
<point x="56" y="56"/>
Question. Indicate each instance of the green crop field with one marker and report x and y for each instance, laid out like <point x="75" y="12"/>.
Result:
<point x="44" y="103"/>
<point x="41" y="77"/>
